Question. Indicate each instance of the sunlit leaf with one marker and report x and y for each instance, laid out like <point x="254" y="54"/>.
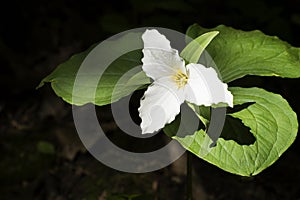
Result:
<point x="272" y="123"/>
<point x="239" y="53"/>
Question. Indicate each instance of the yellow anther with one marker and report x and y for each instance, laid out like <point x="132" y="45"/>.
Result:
<point x="180" y="78"/>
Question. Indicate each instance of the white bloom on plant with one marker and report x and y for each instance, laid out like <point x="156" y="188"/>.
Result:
<point x="173" y="83"/>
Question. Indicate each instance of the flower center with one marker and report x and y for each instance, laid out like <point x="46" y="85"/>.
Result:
<point x="180" y="78"/>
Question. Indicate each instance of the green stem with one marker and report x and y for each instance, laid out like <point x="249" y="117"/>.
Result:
<point x="189" y="177"/>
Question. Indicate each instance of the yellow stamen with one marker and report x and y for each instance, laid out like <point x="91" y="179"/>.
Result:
<point x="180" y="78"/>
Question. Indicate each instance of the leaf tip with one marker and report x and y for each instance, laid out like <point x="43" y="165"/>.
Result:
<point x="41" y="84"/>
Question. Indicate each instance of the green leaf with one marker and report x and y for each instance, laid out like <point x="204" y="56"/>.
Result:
<point x="63" y="77"/>
<point x="272" y="123"/>
<point x="45" y="147"/>
<point x="238" y="53"/>
<point x="192" y="52"/>
<point x="119" y="79"/>
<point x="202" y="112"/>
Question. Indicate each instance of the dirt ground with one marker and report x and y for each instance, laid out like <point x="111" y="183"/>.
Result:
<point x="41" y="154"/>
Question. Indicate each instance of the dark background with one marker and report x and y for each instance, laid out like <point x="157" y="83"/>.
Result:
<point x="41" y="155"/>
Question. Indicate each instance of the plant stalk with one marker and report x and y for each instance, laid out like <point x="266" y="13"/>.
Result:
<point x="189" y="177"/>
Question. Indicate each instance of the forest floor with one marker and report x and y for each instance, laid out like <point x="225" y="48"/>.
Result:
<point x="42" y="156"/>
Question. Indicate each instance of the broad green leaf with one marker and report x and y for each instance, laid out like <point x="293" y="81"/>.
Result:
<point x="192" y="52"/>
<point x="272" y="123"/>
<point x="123" y="76"/>
<point x="238" y="53"/>
<point x="118" y="80"/>
<point x="62" y="78"/>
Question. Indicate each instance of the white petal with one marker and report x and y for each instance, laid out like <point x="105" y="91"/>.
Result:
<point x="159" y="58"/>
<point x="159" y="106"/>
<point x="153" y="39"/>
<point x="205" y="88"/>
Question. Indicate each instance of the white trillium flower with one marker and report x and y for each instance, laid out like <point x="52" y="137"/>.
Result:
<point x="173" y="83"/>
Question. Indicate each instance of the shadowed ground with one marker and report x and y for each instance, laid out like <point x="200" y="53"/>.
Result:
<point x="41" y="154"/>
